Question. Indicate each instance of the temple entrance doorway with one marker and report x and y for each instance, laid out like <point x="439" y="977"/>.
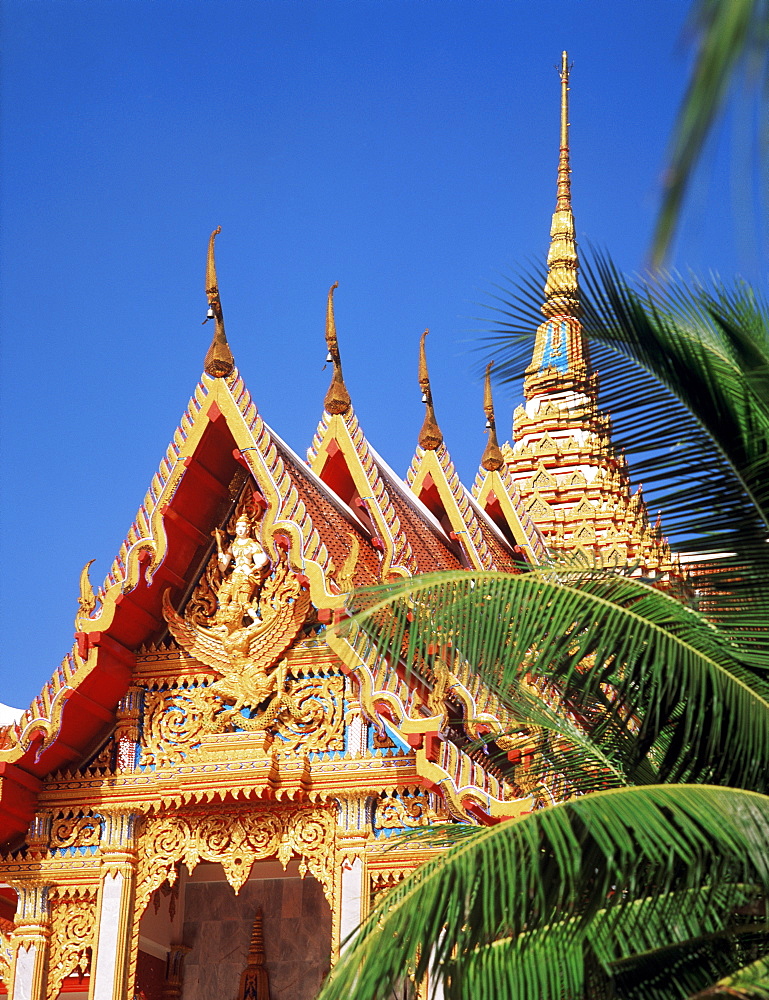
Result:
<point x="214" y="928"/>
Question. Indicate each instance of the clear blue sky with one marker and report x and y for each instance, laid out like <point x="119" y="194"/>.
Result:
<point x="405" y="148"/>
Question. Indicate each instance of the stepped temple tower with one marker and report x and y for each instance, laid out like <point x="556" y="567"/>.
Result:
<point x="576" y="487"/>
<point x="199" y="801"/>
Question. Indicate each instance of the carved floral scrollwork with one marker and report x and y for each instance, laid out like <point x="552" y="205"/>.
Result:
<point x="173" y="725"/>
<point x="310" y="716"/>
<point x="80" y="831"/>
<point x="409" y="808"/>
<point x="315" y="720"/>
<point x="72" y="933"/>
<point x="235" y="842"/>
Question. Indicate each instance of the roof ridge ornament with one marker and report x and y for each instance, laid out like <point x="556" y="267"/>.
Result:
<point x="337" y="398"/>
<point x="430" y="437"/>
<point x="561" y="287"/>
<point x="219" y="362"/>
<point x="492" y="459"/>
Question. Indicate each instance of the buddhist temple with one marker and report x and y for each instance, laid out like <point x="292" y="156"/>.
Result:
<point x="199" y="800"/>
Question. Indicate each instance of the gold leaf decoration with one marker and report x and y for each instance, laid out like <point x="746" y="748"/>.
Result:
<point x="72" y="934"/>
<point x="407" y="809"/>
<point x="81" y="831"/>
<point x="316" y="718"/>
<point x="173" y="725"/>
<point x="234" y="840"/>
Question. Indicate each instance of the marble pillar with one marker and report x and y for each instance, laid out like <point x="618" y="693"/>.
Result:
<point x="353" y="834"/>
<point x="115" y="909"/>
<point x="30" y="942"/>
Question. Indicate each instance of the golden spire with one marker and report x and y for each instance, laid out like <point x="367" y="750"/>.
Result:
<point x="219" y="362"/>
<point x="492" y="458"/>
<point x="561" y="288"/>
<point x="430" y="437"/>
<point x="337" y="398"/>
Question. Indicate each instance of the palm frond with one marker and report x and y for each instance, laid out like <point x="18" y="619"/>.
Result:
<point x="752" y="981"/>
<point x="661" y="686"/>
<point x="558" y="750"/>
<point x="728" y="33"/>
<point x="525" y="908"/>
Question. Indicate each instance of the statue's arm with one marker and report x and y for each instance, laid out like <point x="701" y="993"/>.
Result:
<point x="225" y="558"/>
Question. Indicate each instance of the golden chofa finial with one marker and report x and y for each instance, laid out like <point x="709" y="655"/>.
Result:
<point x="561" y="288"/>
<point x="492" y="458"/>
<point x="430" y="437"/>
<point x="337" y="398"/>
<point x="219" y="361"/>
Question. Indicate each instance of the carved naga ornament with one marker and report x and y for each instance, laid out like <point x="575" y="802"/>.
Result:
<point x="243" y="617"/>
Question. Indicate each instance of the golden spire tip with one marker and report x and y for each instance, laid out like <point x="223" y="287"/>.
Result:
<point x="561" y="288"/>
<point x="430" y="437"/>
<point x="337" y="398"/>
<point x="492" y="458"/>
<point x="219" y="362"/>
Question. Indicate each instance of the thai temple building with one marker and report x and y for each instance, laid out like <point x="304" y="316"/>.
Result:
<point x="198" y="803"/>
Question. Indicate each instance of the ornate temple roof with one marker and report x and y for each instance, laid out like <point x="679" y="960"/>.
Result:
<point x="342" y="519"/>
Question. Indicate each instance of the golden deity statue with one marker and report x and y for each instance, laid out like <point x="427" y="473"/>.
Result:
<point x="260" y="608"/>
<point x="241" y="587"/>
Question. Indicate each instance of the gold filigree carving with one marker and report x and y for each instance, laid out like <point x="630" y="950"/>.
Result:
<point x="315" y="720"/>
<point x="72" y="933"/>
<point x="173" y="725"/>
<point x="385" y="879"/>
<point x="171" y="893"/>
<point x="87" y="600"/>
<point x="234" y="842"/>
<point x="409" y="808"/>
<point x="436" y="700"/>
<point x="381" y="741"/>
<point x="81" y="831"/>
<point x="344" y="576"/>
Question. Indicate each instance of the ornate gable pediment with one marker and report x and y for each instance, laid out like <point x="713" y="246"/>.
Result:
<point x="207" y="643"/>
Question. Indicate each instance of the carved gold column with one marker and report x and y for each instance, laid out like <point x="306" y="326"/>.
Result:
<point x="352" y="895"/>
<point x="115" y="908"/>
<point x="30" y="942"/>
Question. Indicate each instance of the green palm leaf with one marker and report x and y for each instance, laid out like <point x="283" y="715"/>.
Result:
<point x="529" y="907"/>
<point x="750" y="981"/>
<point x="662" y="689"/>
<point x="730" y="34"/>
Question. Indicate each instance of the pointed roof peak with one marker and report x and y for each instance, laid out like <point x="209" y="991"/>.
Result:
<point x="337" y="398"/>
<point x="561" y="288"/>
<point x="219" y="362"/>
<point x="492" y="458"/>
<point x="430" y="437"/>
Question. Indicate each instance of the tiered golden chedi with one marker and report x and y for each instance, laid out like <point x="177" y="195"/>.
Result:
<point x="576" y="486"/>
<point x="211" y="749"/>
